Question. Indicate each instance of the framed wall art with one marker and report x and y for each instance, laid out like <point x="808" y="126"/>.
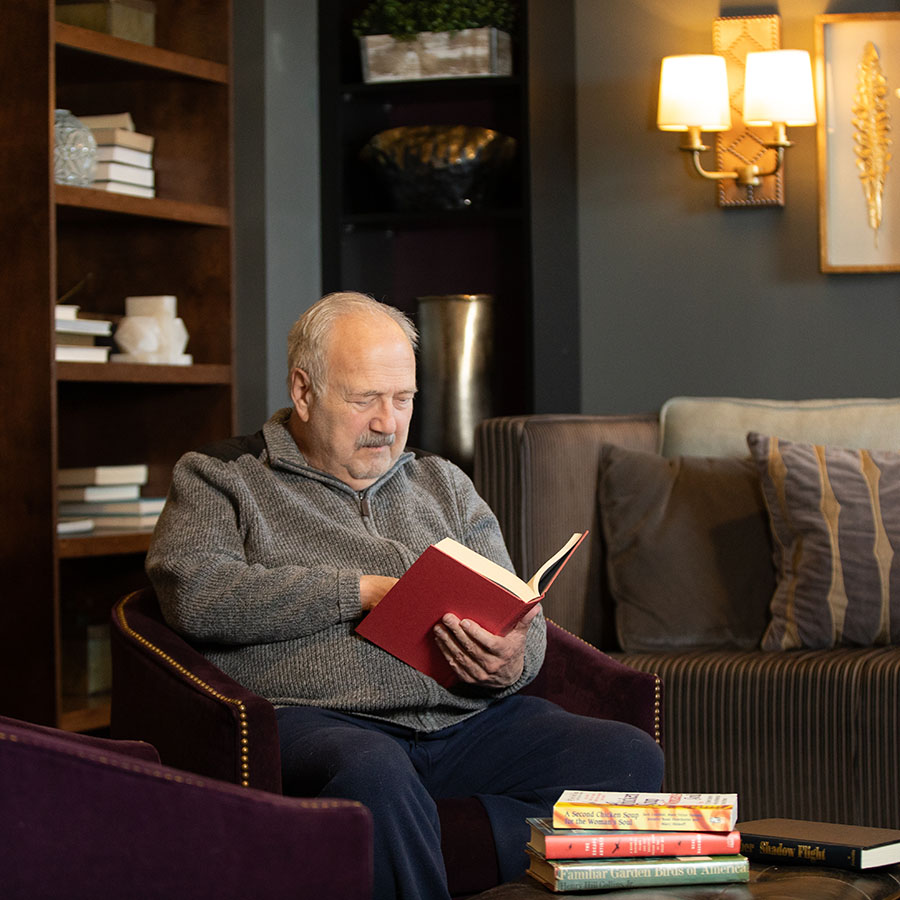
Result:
<point x="858" y="95"/>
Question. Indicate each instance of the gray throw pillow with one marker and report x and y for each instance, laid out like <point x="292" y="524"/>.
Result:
<point x="835" y="518"/>
<point x="688" y="551"/>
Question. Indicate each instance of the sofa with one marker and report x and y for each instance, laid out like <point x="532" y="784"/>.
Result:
<point x="742" y="550"/>
<point x="84" y="816"/>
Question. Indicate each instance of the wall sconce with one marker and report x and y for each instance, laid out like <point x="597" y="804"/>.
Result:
<point x="694" y="97"/>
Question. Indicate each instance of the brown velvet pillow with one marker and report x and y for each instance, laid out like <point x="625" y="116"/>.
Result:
<point x="835" y="517"/>
<point x="688" y="550"/>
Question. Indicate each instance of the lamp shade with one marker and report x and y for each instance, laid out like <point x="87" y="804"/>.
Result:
<point x="693" y="92"/>
<point x="778" y="87"/>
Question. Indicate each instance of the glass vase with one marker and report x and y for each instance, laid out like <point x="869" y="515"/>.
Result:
<point x="74" y="152"/>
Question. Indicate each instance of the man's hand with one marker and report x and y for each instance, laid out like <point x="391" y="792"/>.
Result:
<point x="479" y="657"/>
<point x="372" y="588"/>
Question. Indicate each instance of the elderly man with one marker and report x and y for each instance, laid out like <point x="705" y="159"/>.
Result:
<point x="271" y="549"/>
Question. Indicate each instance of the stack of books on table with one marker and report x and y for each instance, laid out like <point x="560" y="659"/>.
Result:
<point x="124" y="156"/>
<point x="599" y="840"/>
<point x="105" y="497"/>
<point x="81" y="339"/>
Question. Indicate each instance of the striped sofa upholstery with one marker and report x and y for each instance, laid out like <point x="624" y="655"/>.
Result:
<point x="811" y="734"/>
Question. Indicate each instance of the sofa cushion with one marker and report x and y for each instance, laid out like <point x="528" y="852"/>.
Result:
<point x="835" y="519"/>
<point x="688" y="552"/>
<point x="718" y="426"/>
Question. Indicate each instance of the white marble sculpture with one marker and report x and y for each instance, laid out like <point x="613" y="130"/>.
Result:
<point x="152" y="333"/>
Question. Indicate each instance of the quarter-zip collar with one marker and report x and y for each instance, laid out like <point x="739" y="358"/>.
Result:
<point x="283" y="453"/>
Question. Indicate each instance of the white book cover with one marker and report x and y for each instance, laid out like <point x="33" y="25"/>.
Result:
<point x="67" y="311"/>
<point x="74" y="526"/>
<point x="95" y="492"/>
<point x="84" y="326"/>
<point x="141" y="507"/>
<point x="121" y="137"/>
<point x="137" y="521"/>
<point x="75" y="340"/>
<point x="126" y="155"/>
<point x="121" y="187"/>
<point x="116" y="171"/>
<point x="80" y="353"/>
<point x="130" y="473"/>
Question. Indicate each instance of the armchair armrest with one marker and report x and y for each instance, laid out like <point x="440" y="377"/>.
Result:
<point x="81" y="819"/>
<point x="137" y="749"/>
<point x="198" y="718"/>
<point x="584" y="680"/>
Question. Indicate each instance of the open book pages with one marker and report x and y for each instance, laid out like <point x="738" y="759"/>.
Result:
<point x="526" y="591"/>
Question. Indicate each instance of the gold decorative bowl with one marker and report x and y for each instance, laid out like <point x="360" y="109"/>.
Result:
<point x="437" y="167"/>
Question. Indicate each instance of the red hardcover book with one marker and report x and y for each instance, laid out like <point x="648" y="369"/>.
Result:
<point x="591" y="843"/>
<point x="450" y="578"/>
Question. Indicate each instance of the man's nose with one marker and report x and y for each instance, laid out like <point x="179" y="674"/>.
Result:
<point x="384" y="420"/>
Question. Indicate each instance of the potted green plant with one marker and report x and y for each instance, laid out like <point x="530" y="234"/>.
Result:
<point x="414" y="39"/>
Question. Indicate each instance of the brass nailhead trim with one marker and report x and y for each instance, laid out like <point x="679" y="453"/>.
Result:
<point x="183" y="670"/>
<point x="657" y="709"/>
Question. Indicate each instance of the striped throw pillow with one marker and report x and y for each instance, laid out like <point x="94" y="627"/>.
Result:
<point x="835" y="520"/>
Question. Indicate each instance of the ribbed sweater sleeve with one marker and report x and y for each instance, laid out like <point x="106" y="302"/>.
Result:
<point x="228" y="574"/>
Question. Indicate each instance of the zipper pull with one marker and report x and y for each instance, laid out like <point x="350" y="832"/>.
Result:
<point x="363" y="505"/>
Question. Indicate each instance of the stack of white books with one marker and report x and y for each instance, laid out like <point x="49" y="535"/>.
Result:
<point x="77" y="336"/>
<point x="124" y="156"/>
<point x="106" y="497"/>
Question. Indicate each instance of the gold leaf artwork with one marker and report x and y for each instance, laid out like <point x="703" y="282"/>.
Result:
<point x="872" y="123"/>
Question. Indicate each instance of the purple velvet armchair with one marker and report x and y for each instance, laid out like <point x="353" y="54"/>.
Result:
<point x="85" y="817"/>
<point x="165" y="692"/>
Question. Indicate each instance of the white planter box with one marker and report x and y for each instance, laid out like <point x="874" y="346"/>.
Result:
<point x="436" y="54"/>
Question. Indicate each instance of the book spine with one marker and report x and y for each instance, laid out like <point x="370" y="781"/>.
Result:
<point x="573" y="846"/>
<point x="630" y="798"/>
<point x="643" y="818"/>
<point x="799" y="852"/>
<point x="643" y="873"/>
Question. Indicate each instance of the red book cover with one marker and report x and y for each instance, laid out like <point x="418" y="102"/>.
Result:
<point x="438" y="583"/>
<point x="588" y="843"/>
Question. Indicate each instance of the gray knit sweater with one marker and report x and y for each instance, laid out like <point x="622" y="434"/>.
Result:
<point x="257" y="558"/>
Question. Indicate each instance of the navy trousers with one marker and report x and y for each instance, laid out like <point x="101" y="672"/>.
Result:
<point x="516" y="757"/>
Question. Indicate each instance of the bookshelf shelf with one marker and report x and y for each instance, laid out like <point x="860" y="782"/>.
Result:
<point x="84" y="41"/>
<point x="85" y="198"/>
<point x="104" y="543"/>
<point x="442" y="219"/>
<point x="122" y="373"/>
<point x="56" y="237"/>
<point x="89" y="713"/>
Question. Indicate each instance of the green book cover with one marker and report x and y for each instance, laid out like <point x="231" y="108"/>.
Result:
<point x="583" y="875"/>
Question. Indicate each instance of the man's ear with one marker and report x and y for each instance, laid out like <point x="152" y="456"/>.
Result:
<point x="301" y="393"/>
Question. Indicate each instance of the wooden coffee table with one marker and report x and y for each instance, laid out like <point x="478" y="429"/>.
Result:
<point x="766" y="883"/>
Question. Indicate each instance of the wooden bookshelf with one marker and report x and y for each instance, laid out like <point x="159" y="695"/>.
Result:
<point x="77" y="414"/>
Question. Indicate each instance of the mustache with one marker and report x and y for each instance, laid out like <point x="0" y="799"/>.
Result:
<point x="374" y="440"/>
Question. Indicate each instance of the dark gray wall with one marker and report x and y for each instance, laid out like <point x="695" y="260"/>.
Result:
<point x="679" y="296"/>
<point x="276" y="192"/>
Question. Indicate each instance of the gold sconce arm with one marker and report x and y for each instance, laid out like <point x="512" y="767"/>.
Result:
<point x="747" y="176"/>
